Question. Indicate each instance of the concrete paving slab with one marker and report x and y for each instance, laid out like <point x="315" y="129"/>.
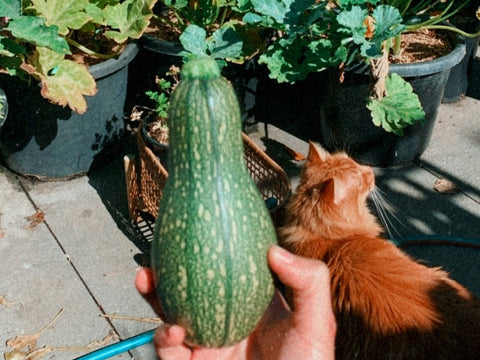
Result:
<point x="418" y="209"/>
<point x="38" y="281"/>
<point x="454" y="150"/>
<point x="100" y="251"/>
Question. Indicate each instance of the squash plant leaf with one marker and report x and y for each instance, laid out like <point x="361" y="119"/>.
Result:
<point x="8" y="47"/>
<point x="388" y="22"/>
<point x="10" y="9"/>
<point x="290" y="60"/>
<point x="66" y="14"/>
<point x="288" y="15"/>
<point x="344" y="3"/>
<point x="34" y="30"/>
<point x="275" y="9"/>
<point x="64" y="82"/>
<point x="128" y="19"/>
<point x="400" y="108"/>
<point x="225" y="44"/>
<point x="194" y="41"/>
<point x="352" y="20"/>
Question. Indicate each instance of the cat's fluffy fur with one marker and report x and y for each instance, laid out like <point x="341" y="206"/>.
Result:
<point x="387" y="305"/>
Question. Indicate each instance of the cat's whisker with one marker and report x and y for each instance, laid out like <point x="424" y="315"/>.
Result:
<point x="385" y="212"/>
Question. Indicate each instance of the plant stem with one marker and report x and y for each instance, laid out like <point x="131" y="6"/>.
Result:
<point x="379" y="68"/>
<point x="444" y="27"/>
<point x="90" y="52"/>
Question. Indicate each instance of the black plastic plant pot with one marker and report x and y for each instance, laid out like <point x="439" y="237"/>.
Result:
<point x="458" y="80"/>
<point x="159" y="149"/>
<point x="3" y="106"/>
<point x="346" y="123"/>
<point x="49" y="142"/>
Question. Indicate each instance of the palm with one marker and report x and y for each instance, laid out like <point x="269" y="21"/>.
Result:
<point x="308" y="332"/>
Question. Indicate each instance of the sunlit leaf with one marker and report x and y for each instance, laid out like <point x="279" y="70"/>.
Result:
<point x="66" y="14"/>
<point x="128" y="19"/>
<point x="69" y="85"/>
<point x="34" y="30"/>
<point x="400" y="108"/>
<point x="193" y="40"/>
<point x="10" y="8"/>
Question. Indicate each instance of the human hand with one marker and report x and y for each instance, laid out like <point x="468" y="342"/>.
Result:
<point x="307" y="332"/>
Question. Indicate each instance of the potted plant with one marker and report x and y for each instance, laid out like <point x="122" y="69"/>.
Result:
<point x="365" y="35"/>
<point x="72" y="53"/>
<point x="154" y="127"/>
<point x="181" y="30"/>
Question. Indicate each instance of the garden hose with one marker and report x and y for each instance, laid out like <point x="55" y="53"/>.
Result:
<point x="119" y="347"/>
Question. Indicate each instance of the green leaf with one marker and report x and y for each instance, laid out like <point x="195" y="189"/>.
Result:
<point x="8" y="47"/>
<point x="352" y="21"/>
<point x="344" y="3"/>
<point x="276" y="9"/>
<point x="128" y="19"/>
<point x="194" y="40"/>
<point x="11" y="65"/>
<point x="292" y="60"/>
<point x="388" y="22"/>
<point x="252" y="18"/>
<point x="400" y="108"/>
<point x="34" y="30"/>
<point x="225" y="44"/>
<point x="290" y="15"/>
<point x="10" y="8"/>
<point x="70" y="82"/>
<point x="66" y="14"/>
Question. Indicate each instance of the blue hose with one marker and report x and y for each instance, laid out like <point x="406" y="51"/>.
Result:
<point x="119" y="347"/>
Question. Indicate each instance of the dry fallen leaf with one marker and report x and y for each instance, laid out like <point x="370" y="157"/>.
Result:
<point x="21" y="341"/>
<point x="4" y="301"/>
<point x="39" y="353"/>
<point x="15" y="355"/>
<point x="445" y="187"/>
<point x="36" y="219"/>
<point x="153" y="320"/>
<point x="112" y="336"/>
<point x="30" y="340"/>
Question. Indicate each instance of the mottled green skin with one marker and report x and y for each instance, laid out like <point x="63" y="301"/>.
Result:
<point x="213" y="231"/>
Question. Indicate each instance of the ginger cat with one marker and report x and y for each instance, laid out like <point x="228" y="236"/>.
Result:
<point x="387" y="305"/>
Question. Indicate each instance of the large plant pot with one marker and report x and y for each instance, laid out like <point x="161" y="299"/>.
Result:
<point x="49" y="142"/>
<point x="346" y="124"/>
<point x="3" y="106"/>
<point x="154" y="58"/>
<point x="457" y="84"/>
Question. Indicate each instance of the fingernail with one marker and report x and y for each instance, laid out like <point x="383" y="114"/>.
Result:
<point x="282" y="254"/>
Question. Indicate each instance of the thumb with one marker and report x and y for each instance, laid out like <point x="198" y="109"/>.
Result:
<point x="309" y="282"/>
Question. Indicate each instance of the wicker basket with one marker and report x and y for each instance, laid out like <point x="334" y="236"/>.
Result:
<point x="146" y="178"/>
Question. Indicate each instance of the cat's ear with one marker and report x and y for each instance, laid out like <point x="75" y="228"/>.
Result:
<point x="316" y="153"/>
<point x="334" y="191"/>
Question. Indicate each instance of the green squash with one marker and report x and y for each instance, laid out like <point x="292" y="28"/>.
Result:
<point x="211" y="237"/>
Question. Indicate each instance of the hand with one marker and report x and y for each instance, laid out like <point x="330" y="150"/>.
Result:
<point x="307" y="332"/>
